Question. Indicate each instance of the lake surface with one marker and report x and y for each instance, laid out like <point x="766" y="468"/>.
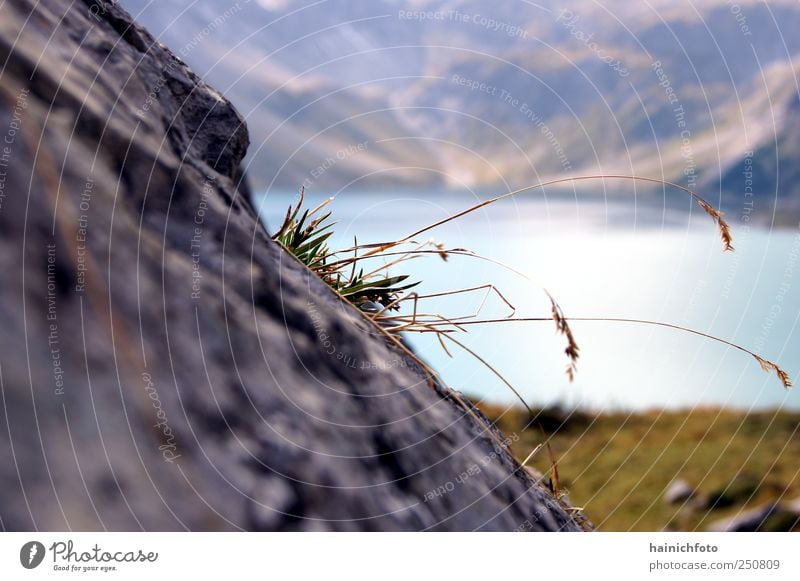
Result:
<point x="599" y="259"/>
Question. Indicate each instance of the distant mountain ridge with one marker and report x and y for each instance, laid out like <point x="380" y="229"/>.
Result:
<point x="470" y="94"/>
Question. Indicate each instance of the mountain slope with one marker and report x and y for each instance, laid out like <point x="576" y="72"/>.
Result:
<point x="472" y="94"/>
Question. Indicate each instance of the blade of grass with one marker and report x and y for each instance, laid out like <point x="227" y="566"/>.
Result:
<point x="765" y="364"/>
<point x="715" y="214"/>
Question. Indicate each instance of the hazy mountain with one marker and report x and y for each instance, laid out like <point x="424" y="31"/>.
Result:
<point x="469" y="93"/>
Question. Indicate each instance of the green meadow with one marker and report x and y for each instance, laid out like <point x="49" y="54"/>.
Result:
<point x="618" y="466"/>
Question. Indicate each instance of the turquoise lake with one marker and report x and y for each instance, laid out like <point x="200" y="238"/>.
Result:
<point x="599" y="259"/>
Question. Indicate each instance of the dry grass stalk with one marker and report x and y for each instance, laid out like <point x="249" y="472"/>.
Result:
<point x="533" y="453"/>
<point x="555" y="485"/>
<point x="554" y="482"/>
<point x="716" y="215"/>
<point x="770" y="366"/>
<point x="307" y="243"/>
<point x="724" y="228"/>
<point x="562" y="326"/>
<point x="766" y="365"/>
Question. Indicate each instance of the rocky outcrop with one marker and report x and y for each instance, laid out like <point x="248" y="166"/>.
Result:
<point x="163" y="364"/>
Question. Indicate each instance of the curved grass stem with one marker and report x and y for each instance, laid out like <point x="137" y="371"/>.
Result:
<point x="716" y="215"/>
<point x="765" y="364"/>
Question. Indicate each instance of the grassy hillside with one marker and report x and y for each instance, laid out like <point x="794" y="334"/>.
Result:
<point x="618" y="466"/>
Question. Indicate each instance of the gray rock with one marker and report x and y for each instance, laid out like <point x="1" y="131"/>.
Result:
<point x="163" y="364"/>
<point x="773" y="517"/>
<point x="794" y="506"/>
<point x="738" y="491"/>
<point x="678" y="492"/>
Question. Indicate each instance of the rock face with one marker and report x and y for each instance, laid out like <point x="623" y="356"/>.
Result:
<point x="163" y="364"/>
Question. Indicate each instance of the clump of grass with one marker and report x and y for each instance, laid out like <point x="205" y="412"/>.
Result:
<point x="377" y="293"/>
<point x="380" y="296"/>
<point x="306" y="237"/>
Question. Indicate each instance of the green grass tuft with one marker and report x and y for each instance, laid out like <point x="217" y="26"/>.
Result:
<point x="306" y="237"/>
